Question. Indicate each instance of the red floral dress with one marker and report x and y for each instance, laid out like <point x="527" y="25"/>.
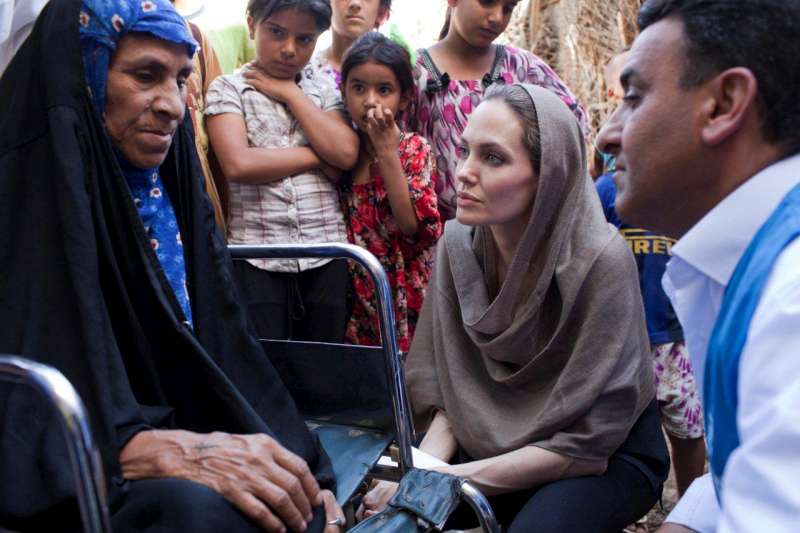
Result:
<point x="408" y="260"/>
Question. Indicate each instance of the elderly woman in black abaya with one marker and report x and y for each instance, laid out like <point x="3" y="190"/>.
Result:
<point x="112" y="270"/>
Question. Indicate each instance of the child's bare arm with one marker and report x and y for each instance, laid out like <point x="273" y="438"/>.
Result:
<point x="327" y="132"/>
<point x="384" y="136"/>
<point x="242" y="163"/>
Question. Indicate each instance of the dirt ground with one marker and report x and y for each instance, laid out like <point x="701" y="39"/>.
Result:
<point x="657" y="514"/>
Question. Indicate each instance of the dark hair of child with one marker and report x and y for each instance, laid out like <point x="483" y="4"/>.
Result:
<point x="375" y="47"/>
<point x="319" y="9"/>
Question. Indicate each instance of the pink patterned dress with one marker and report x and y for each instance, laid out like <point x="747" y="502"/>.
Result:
<point x="441" y="107"/>
<point x="408" y="260"/>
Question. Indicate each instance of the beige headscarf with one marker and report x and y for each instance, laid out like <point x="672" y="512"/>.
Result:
<point x="560" y="357"/>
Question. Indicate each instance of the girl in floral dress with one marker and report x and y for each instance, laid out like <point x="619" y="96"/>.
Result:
<point x="452" y="75"/>
<point x="389" y="198"/>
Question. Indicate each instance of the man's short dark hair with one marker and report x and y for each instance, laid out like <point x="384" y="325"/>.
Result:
<point x="760" y="35"/>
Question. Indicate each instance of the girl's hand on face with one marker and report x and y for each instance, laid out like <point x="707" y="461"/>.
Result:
<point x="277" y="89"/>
<point x="383" y="132"/>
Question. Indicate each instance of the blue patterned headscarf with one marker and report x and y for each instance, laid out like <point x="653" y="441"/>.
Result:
<point x="102" y="24"/>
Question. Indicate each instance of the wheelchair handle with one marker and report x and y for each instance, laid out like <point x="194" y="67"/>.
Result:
<point x="480" y="505"/>
<point x="84" y="456"/>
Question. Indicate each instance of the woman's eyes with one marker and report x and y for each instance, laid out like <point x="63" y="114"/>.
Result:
<point x="144" y="76"/>
<point x="493" y="159"/>
<point x="149" y="78"/>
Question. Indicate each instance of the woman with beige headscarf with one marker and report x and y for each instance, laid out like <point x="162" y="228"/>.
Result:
<point x="530" y="370"/>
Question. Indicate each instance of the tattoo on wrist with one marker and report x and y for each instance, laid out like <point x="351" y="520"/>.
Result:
<point x="204" y="446"/>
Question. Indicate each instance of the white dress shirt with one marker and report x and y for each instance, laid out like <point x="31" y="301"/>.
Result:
<point x="16" y="22"/>
<point x="761" y="483"/>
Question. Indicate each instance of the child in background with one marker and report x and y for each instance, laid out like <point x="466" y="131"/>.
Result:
<point x="351" y="19"/>
<point x="389" y="198"/>
<point x="452" y="75"/>
<point x="280" y="136"/>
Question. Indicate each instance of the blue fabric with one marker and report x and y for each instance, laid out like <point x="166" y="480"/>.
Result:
<point x="652" y="253"/>
<point x="720" y="398"/>
<point x="102" y="24"/>
<point x="151" y="200"/>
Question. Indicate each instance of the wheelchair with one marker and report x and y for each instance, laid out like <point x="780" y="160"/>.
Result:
<point x="352" y="398"/>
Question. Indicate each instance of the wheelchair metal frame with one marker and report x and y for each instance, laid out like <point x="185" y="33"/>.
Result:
<point x="84" y="455"/>
<point x="404" y="429"/>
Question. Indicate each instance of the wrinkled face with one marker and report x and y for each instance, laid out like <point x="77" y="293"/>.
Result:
<point x="146" y="97"/>
<point x="368" y="85"/>
<point x="353" y="18"/>
<point x="284" y="42"/>
<point x="480" y="22"/>
<point x="655" y="134"/>
<point x="496" y="181"/>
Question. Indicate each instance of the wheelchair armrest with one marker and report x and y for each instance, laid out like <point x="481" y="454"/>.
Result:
<point x="430" y="497"/>
<point x="84" y="456"/>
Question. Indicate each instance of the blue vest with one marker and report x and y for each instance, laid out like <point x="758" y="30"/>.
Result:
<point x="720" y="397"/>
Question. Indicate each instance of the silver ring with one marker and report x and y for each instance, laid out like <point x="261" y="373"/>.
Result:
<point x="338" y="521"/>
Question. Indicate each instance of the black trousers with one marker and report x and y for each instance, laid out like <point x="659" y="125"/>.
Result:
<point x="307" y="306"/>
<point x="590" y="504"/>
<point x="179" y="506"/>
<point x="628" y="489"/>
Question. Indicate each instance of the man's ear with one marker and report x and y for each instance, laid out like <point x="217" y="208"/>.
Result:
<point x="383" y="16"/>
<point x="732" y="98"/>
<point x="251" y="27"/>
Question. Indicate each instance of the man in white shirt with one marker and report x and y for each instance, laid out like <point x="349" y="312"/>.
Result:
<point x="707" y="141"/>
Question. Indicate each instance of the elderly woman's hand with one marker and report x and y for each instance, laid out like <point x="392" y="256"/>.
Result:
<point x="268" y="483"/>
<point x="334" y="516"/>
<point x="376" y="499"/>
<point x="277" y="89"/>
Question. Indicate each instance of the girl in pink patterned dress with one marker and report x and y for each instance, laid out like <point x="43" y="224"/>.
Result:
<point x="452" y="75"/>
<point x="389" y="200"/>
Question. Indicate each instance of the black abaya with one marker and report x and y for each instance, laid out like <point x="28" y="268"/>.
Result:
<point x="81" y="290"/>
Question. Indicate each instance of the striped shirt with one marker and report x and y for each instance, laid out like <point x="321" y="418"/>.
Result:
<point x="300" y="209"/>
